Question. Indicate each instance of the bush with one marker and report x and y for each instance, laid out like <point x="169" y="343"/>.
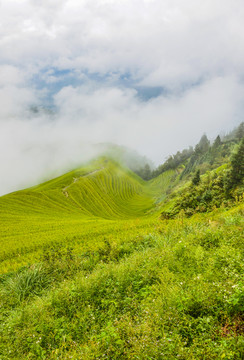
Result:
<point x="26" y="283"/>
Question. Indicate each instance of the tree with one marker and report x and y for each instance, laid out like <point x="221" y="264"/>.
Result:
<point x="217" y="142"/>
<point x="237" y="164"/>
<point x="147" y="172"/>
<point x="203" y="145"/>
<point x="196" y="179"/>
<point x="235" y="175"/>
<point x="236" y="134"/>
<point x="240" y="131"/>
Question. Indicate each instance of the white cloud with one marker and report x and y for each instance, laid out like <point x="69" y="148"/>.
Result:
<point x="118" y="115"/>
<point x="159" y="42"/>
<point x="155" y="128"/>
<point x="194" y="49"/>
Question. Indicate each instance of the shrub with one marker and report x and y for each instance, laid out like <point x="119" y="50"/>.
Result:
<point x="28" y="282"/>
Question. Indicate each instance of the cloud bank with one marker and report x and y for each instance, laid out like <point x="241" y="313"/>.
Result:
<point x="152" y="75"/>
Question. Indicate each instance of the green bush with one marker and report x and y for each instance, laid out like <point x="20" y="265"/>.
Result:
<point x="26" y="283"/>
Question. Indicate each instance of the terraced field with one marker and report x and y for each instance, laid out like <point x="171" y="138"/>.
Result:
<point x="89" y="271"/>
<point x="81" y="206"/>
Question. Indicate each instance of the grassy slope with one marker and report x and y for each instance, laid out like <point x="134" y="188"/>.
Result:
<point x="102" y="190"/>
<point x="82" y="204"/>
<point x="104" y="278"/>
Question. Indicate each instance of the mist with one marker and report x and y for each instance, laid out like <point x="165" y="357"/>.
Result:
<point x="150" y="75"/>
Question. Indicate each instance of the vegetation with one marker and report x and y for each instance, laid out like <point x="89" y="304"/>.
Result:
<point x="236" y="173"/>
<point x="100" y="264"/>
<point x="204" y="156"/>
<point x="196" y="178"/>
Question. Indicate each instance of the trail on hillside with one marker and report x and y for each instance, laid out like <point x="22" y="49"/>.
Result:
<point x="75" y="179"/>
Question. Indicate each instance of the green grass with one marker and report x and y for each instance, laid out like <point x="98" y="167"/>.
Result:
<point x="77" y="207"/>
<point x="90" y="272"/>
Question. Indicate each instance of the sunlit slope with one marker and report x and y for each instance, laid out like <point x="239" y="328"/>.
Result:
<point x="161" y="183"/>
<point x="103" y="189"/>
<point x="81" y="205"/>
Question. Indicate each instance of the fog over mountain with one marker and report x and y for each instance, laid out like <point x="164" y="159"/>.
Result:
<point x="151" y="75"/>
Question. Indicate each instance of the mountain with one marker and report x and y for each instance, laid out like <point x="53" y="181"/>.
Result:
<point x="104" y="189"/>
<point x="63" y="206"/>
<point x="124" y="155"/>
<point x="99" y="263"/>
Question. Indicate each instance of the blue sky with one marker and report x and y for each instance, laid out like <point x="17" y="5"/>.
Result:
<point x="153" y="75"/>
<point x="67" y="77"/>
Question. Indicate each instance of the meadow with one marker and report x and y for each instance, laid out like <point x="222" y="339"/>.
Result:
<point x="91" y="271"/>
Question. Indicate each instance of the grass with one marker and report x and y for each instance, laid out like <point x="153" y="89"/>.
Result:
<point x="77" y="207"/>
<point x="81" y="280"/>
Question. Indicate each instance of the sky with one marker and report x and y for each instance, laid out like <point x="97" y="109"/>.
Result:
<point x="153" y="75"/>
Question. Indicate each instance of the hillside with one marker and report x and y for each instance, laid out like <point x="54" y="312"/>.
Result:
<point x="102" y="189"/>
<point x="73" y="205"/>
<point x="100" y="264"/>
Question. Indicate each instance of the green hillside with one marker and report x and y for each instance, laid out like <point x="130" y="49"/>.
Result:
<point x="103" y="189"/>
<point x="100" y="264"/>
<point x="73" y="206"/>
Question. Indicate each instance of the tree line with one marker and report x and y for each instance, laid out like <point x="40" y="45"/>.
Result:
<point x="205" y="156"/>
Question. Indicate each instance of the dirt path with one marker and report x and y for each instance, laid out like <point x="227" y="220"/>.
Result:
<point x="64" y="190"/>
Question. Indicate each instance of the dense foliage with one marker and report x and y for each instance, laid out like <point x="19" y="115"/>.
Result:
<point x="236" y="173"/>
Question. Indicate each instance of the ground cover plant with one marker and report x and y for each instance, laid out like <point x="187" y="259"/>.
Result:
<point x="91" y="270"/>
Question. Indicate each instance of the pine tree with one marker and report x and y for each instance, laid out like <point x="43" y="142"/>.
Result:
<point x="240" y="131"/>
<point x="237" y="164"/>
<point x="196" y="179"/>
<point x="217" y="142"/>
<point x="147" y="172"/>
<point x="203" y="145"/>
